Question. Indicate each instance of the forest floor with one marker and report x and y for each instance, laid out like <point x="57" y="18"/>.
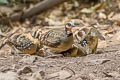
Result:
<point x="102" y="66"/>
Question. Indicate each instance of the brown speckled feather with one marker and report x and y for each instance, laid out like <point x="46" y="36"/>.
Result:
<point x="22" y="43"/>
<point x="57" y="40"/>
<point x="85" y="41"/>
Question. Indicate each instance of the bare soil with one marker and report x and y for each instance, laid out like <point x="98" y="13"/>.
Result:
<point x="102" y="66"/>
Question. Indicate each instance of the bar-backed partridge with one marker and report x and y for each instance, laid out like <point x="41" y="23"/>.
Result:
<point x="80" y="34"/>
<point x="57" y="40"/>
<point x="85" y="42"/>
<point x="21" y="43"/>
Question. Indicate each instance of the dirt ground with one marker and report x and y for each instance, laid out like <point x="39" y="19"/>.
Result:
<point x="102" y="66"/>
<point x="105" y="65"/>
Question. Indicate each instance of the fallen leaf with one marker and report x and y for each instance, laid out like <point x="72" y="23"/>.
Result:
<point x="92" y="9"/>
<point x="118" y="22"/>
<point x="116" y="17"/>
<point x="24" y="70"/>
<point x="102" y="44"/>
<point x="116" y="36"/>
<point x="39" y="75"/>
<point x="98" y="61"/>
<point x="102" y="15"/>
<point x="112" y="74"/>
<point x="63" y="74"/>
<point x="110" y="29"/>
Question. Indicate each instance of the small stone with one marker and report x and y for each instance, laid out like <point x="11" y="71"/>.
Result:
<point x="61" y="75"/>
<point x="24" y="70"/>
<point x="40" y="75"/>
<point x="28" y="60"/>
<point x="9" y="76"/>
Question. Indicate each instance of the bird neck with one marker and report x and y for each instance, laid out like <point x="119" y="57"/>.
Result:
<point x="68" y="31"/>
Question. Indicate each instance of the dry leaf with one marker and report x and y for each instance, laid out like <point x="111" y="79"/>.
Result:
<point x="110" y="29"/>
<point x="102" y="44"/>
<point x="24" y="70"/>
<point x="102" y="15"/>
<point x="92" y="9"/>
<point x="63" y="74"/>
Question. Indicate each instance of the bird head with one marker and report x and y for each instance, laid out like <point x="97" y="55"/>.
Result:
<point x="69" y="26"/>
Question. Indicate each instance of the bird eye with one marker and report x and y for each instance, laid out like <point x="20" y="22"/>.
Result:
<point x="68" y="24"/>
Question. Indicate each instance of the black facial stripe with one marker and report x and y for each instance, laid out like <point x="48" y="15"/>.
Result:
<point x="83" y="43"/>
<point x="69" y="34"/>
<point x="35" y="34"/>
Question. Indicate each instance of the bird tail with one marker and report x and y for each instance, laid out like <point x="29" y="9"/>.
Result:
<point x="95" y="32"/>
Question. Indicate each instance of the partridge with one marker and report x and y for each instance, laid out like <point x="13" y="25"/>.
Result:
<point x="56" y="40"/>
<point x="85" y="42"/>
<point x="22" y="43"/>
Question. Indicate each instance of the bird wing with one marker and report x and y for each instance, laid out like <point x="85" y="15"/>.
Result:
<point x="53" y="39"/>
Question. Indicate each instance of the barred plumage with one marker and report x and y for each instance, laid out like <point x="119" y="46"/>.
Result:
<point x="21" y="43"/>
<point x="85" y="41"/>
<point x="81" y="33"/>
<point x="57" y="40"/>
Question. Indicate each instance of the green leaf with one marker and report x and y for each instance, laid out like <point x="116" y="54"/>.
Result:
<point x="3" y="1"/>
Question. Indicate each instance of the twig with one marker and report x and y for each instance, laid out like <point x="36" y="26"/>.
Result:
<point x="38" y="8"/>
